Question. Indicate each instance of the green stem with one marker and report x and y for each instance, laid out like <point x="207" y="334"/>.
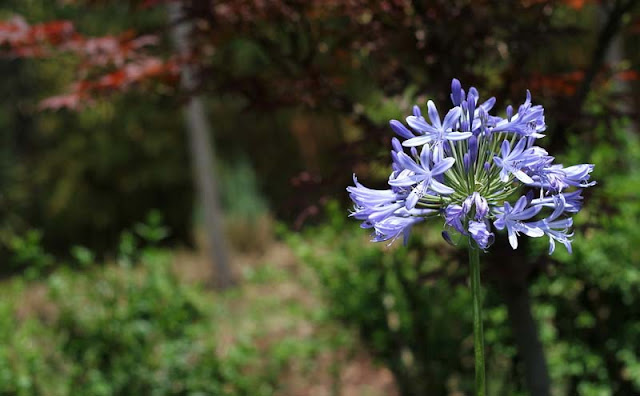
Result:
<point x="478" y="335"/>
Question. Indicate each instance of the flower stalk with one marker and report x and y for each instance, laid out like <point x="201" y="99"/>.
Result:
<point x="478" y="333"/>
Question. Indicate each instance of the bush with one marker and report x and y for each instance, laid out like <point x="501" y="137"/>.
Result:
<point x="401" y="302"/>
<point x="123" y="331"/>
<point x="590" y="305"/>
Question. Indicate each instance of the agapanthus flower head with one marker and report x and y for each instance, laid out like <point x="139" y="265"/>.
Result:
<point x="475" y="170"/>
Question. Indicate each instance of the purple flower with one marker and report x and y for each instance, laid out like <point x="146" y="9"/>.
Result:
<point x="374" y="205"/>
<point x="557" y="229"/>
<point x="557" y="178"/>
<point x="454" y="215"/>
<point x="481" y="234"/>
<point x="384" y="211"/>
<point x="513" y="219"/>
<point x="397" y="148"/>
<point x="437" y="132"/>
<point x="475" y="116"/>
<point x="455" y="169"/>
<point x="572" y="201"/>
<point x="391" y="228"/>
<point x="457" y="93"/>
<point x="421" y="175"/>
<point x="579" y="175"/>
<point x="513" y="161"/>
<point x="528" y="121"/>
<point x="400" y="129"/>
<point x="482" y="207"/>
<point x="473" y="148"/>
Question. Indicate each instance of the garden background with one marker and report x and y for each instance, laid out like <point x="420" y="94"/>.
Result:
<point x="116" y="227"/>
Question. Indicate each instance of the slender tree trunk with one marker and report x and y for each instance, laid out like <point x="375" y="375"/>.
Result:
<point x="201" y="149"/>
<point x="612" y="15"/>
<point x="512" y="273"/>
<point x="529" y="346"/>
<point x="612" y="22"/>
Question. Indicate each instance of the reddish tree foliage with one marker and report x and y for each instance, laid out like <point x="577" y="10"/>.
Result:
<point x="106" y="64"/>
<point x="564" y="84"/>
<point x="82" y="92"/>
<point x="326" y="44"/>
<point x="24" y="40"/>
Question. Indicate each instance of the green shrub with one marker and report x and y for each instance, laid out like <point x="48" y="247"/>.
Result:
<point x="418" y="326"/>
<point x="30" y="362"/>
<point x="590" y="303"/>
<point x="123" y="331"/>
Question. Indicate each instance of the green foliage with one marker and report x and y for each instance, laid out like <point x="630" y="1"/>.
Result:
<point x="248" y="222"/>
<point x="116" y="331"/>
<point x="138" y="328"/>
<point x="240" y="192"/>
<point x="27" y="254"/>
<point x="83" y="256"/>
<point x="29" y="362"/>
<point x="125" y="329"/>
<point x="411" y="306"/>
<point x="589" y="307"/>
<point x="153" y="229"/>
<point x="402" y="304"/>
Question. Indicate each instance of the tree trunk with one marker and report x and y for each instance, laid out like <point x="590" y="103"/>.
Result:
<point x="529" y="346"/>
<point x="612" y="21"/>
<point x="201" y="149"/>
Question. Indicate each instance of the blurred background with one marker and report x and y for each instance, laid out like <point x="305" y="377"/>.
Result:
<point x="173" y="214"/>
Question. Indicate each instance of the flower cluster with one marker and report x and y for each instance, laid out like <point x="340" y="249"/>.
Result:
<point x="474" y="169"/>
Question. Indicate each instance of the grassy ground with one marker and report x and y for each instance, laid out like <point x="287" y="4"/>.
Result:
<point x="277" y="303"/>
<point x="275" y="308"/>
